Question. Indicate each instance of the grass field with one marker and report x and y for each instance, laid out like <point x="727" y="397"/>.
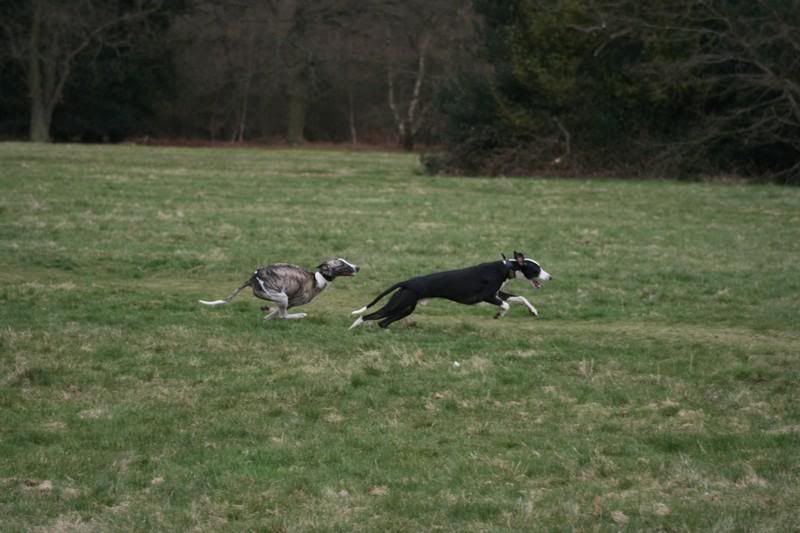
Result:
<point x="657" y="391"/>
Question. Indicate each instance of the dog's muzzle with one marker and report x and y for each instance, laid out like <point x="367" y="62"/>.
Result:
<point x="543" y="276"/>
<point x="348" y="271"/>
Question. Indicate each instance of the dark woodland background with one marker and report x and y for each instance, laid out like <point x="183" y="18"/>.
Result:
<point x="679" y="88"/>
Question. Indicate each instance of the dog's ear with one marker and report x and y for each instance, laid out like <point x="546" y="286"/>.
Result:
<point x="519" y="257"/>
<point x="503" y="256"/>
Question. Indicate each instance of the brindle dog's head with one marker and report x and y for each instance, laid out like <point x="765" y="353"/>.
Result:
<point x="337" y="267"/>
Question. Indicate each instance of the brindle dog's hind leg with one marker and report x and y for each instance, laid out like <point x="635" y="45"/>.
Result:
<point x="279" y="298"/>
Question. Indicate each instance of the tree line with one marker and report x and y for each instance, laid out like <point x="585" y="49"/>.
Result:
<point x="668" y="87"/>
<point x="228" y="70"/>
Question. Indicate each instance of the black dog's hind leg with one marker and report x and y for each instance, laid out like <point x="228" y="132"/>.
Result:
<point x="397" y="316"/>
<point x="401" y="304"/>
<point x="512" y="298"/>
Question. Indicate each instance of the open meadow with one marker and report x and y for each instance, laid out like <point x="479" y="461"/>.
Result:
<point x="658" y="390"/>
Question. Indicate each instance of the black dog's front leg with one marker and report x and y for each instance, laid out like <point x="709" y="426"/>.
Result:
<point x="496" y="300"/>
<point x="512" y="298"/>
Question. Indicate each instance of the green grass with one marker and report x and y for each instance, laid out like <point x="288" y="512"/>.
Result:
<point x="658" y="390"/>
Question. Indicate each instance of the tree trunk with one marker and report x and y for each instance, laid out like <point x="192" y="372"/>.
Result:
<point x="238" y="134"/>
<point x="41" y="113"/>
<point x="40" y="121"/>
<point x="407" y="140"/>
<point x="297" y="120"/>
<point x="407" y="128"/>
<point x="298" y="102"/>
<point x="352" y="116"/>
<point x="398" y="122"/>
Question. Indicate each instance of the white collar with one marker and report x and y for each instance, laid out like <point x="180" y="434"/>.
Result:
<point x="321" y="281"/>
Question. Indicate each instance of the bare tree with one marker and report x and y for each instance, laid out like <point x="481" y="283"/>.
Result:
<point x="305" y="45"/>
<point x="735" y="65"/>
<point x="315" y="67"/>
<point x="47" y="37"/>
<point x="419" y="36"/>
<point x="407" y="123"/>
<point x="746" y="60"/>
<point x="262" y="62"/>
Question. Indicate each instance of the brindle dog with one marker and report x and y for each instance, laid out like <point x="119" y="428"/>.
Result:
<point x="289" y="286"/>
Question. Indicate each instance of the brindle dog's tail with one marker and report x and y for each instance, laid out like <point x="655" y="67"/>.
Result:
<point x="231" y="296"/>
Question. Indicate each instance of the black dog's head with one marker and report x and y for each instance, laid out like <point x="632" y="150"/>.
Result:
<point x="524" y="268"/>
<point x="337" y="267"/>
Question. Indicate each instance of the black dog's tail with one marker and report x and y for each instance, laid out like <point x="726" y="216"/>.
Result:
<point x="231" y="296"/>
<point x="381" y="295"/>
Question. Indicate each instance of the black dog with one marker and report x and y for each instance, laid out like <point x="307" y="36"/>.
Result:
<point x="476" y="284"/>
